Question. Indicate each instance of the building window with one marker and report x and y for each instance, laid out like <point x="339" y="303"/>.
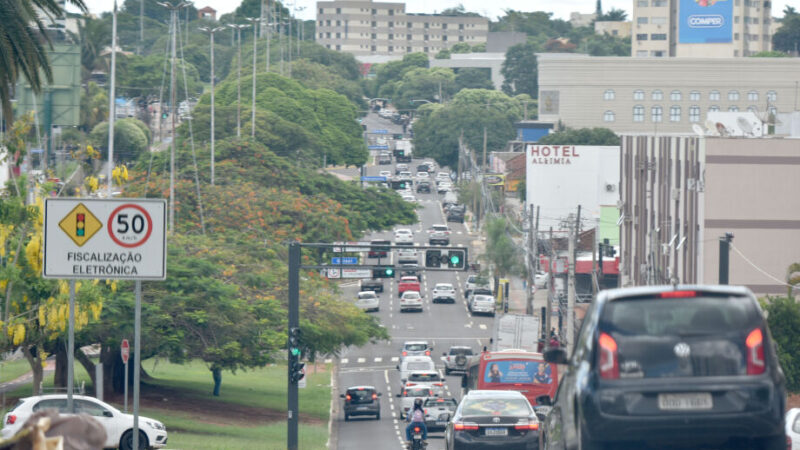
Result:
<point x="641" y="37"/>
<point x="374" y="11"/>
<point x="444" y="38"/>
<point x="373" y="48"/>
<point x="427" y="25"/>
<point x="641" y="53"/>
<point x="656" y="114"/>
<point x="374" y="24"/>
<point x="461" y="39"/>
<point x="772" y="96"/>
<point x="608" y="94"/>
<point x="321" y="11"/>
<point x="328" y="22"/>
<point x="338" y="35"/>
<point x="638" y="94"/>
<point x="328" y="34"/>
<point x="658" y="37"/>
<point x="391" y="36"/>
<point x="694" y="113"/>
<point x="642" y="3"/>
<point x="408" y="49"/>
<point x="391" y="24"/>
<point x="338" y="47"/>
<point x="374" y="36"/>
<point x="713" y="108"/>
<point x="426" y="38"/>
<point x="713" y="95"/>
<point x="391" y="48"/>
<point x="641" y="20"/>
<point x="773" y="111"/>
<point x="674" y="113"/>
<point x="409" y="25"/>
<point x="733" y="96"/>
<point x="320" y="35"/>
<point x="638" y="113"/>
<point x="608" y="116"/>
<point x="338" y="10"/>
<point x="675" y="96"/>
<point x="658" y="20"/>
<point x="752" y="109"/>
<point x="408" y="37"/>
<point x="694" y="96"/>
<point x="391" y="12"/>
<point x="733" y="109"/>
<point x="752" y="96"/>
<point x="425" y="49"/>
<point x="658" y="53"/>
<point x="657" y="95"/>
<point x="444" y="26"/>
<point x="660" y="3"/>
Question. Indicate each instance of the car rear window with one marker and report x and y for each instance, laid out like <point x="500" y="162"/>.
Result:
<point x="648" y="330"/>
<point x="424" y="377"/>
<point x="418" y="392"/>
<point x="460" y="351"/>
<point x="496" y="407"/>
<point x="421" y="365"/>
<point x="360" y="395"/>
<point x="416" y="347"/>
<point x="439" y="402"/>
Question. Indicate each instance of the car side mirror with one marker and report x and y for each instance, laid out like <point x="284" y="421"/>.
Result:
<point x="398" y="395"/>
<point x="341" y="395"/>
<point x="444" y="354"/>
<point x="398" y="367"/>
<point x="555" y="355"/>
<point x="544" y="400"/>
<point x="379" y="394"/>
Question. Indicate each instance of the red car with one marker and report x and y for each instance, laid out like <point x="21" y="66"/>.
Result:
<point x="408" y="284"/>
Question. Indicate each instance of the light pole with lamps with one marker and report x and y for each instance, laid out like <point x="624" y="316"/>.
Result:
<point x="239" y="28"/>
<point x="254" y="22"/>
<point x="211" y="32"/>
<point x="298" y="9"/>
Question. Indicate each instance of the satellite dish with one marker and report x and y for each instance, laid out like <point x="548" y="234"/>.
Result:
<point x="747" y="127"/>
<point x="698" y="130"/>
<point x="722" y="130"/>
<point x="711" y="128"/>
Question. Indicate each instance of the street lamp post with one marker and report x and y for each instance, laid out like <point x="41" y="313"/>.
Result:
<point x="297" y="10"/>
<point x="211" y="32"/>
<point x="239" y="28"/>
<point x="254" y="22"/>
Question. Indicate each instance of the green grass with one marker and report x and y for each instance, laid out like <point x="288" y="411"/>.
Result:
<point x="11" y="370"/>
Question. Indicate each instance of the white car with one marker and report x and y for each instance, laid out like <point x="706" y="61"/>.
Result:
<point x="409" y="394"/>
<point x="444" y="292"/>
<point x="540" y="280"/>
<point x="423" y="176"/>
<point x="793" y="427"/>
<point x="428" y="378"/>
<point x="411" y="364"/>
<point x="407" y="256"/>
<point x="410" y="300"/>
<point x="403" y="236"/>
<point x="118" y="425"/>
<point x="409" y="198"/>
<point x="443" y="176"/>
<point x="404" y="175"/>
<point x="444" y="187"/>
<point x="483" y="304"/>
<point x="385" y="173"/>
<point x="368" y="301"/>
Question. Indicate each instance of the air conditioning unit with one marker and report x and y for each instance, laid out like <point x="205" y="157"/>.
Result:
<point x="610" y="187"/>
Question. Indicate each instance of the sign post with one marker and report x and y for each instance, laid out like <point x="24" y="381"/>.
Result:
<point x="111" y="239"/>
<point x="125" y="352"/>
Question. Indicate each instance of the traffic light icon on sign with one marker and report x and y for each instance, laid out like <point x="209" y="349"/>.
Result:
<point x="433" y="258"/>
<point x="80" y="224"/>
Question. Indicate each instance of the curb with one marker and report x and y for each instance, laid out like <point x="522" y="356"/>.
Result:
<point x="333" y="433"/>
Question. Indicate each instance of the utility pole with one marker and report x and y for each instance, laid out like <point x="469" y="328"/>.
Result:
<point x="529" y="263"/>
<point x="141" y="26"/>
<point x="112" y="110"/>
<point x="573" y="245"/>
<point x="551" y="283"/>
<point x="254" y="21"/>
<point x="294" y="322"/>
<point x="724" y="257"/>
<point x="238" y="28"/>
<point x="211" y="32"/>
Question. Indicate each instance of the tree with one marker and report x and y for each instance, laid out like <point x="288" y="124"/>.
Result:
<point x="520" y="71"/>
<point x="581" y="136"/>
<point x="419" y="83"/>
<point x="473" y="78"/>
<point x="784" y="323"/>
<point x="613" y="15"/>
<point x="461" y="47"/>
<point x="793" y="278"/>
<point x="22" y="46"/>
<point x="501" y="251"/>
<point x="393" y="71"/>
<point x="443" y="54"/>
<point x="130" y="140"/>
<point x="787" y="38"/>
<point x="458" y="11"/>
<point x="606" y="45"/>
<point x="94" y="106"/>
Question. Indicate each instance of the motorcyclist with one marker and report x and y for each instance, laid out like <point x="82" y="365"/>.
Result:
<point x="416" y="418"/>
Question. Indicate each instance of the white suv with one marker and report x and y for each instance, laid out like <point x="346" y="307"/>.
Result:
<point x="439" y="235"/>
<point x="118" y="425"/>
<point x="403" y="236"/>
<point x="444" y="292"/>
<point x="410" y="300"/>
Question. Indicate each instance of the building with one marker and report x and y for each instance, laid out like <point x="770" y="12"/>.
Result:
<point x="651" y="95"/>
<point x="614" y="28"/>
<point x="679" y="195"/>
<point x="501" y="41"/>
<point x="577" y="19"/>
<point x="207" y="13"/>
<point x="714" y="29"/>
<point x="363" y="27"/>
<point x="484" y="60"/>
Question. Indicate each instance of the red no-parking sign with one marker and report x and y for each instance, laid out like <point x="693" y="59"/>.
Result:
<point x="125" y="351"/>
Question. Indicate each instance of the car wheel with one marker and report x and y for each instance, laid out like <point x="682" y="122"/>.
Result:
<point x="584" y="443"/>
<point x="126" y="443"/>
<point x="446" y="371"/>
<point x="378" y="416"/>
<point x="346" y="418"/>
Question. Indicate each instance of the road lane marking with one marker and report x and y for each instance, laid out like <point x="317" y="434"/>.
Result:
<point x="345" y="360"/>
<point x="482" y="326"/>
<point x="386" y="376"/>
<point x="377" y="360"/>
<point x="361" y="360"/>
<point x="395" y="358"/>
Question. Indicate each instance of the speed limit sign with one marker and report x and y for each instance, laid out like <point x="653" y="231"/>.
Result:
<point x="105" y="239"/>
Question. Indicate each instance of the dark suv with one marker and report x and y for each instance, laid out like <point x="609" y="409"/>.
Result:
<point x="660" y="366"/>
<point x="424" y="187"/>
<point x="361" y="401"/>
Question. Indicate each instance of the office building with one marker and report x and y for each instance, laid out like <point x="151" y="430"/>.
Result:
<point x="364" y="27"/>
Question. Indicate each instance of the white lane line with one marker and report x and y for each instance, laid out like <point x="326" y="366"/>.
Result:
<point x="345" y="360"/>
<point x="377" y="360"/>
<point x="328" y="361"/>
<point x="386" y="376"/>
<point x="482" y="326"/>
<point x="395" y="358"/>
<point x="361" y="360"/>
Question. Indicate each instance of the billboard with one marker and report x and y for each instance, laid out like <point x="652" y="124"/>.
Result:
<point x="705" y="21"/>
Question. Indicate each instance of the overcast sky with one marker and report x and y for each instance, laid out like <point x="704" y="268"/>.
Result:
<point x="491" y="9"/>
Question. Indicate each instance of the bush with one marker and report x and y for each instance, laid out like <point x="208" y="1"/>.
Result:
<point x="784" y="323"/>
<point x="129" y="139"/>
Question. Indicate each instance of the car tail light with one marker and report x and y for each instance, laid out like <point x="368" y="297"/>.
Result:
<point x="374" y="396"/>
<point x="679" y="294"/>
<point x="438" y="384"/>
<point x="427" y="353"/>
<point x="348" y="398"/>
<point x="607" y="357"/>
<point x="755" y="352"/>
<point x="405" y="393"/>
<point x="788" y="442"/>
<point x="11" y="419"/>
<point x="527" y="426"/>
<point x="461" y="426"/>
<point x="405" y="353"/>
<point x="411" y="384"/>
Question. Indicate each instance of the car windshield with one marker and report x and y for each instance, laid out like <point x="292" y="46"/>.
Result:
<point x="647" y="331"/>
<point x="483" y="298"/>
<point x="440" y="403"/>
<point x="411" y="295"/>
<point x="366" y="295"/>
<point x="444" y="287"/>
<point x="419" y="365"/>
<point x="416" y="347"/>
<point x="796" y="425"/>
<point x="495" y="407"/>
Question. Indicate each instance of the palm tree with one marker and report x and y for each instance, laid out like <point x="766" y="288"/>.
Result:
<point x="22" y="49"/>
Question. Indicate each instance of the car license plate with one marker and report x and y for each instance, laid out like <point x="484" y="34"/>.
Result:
<point x="685" y="402"/>
<point x="441" y="423"/>
<point x="362" y="408"/>
<point x="497" y="432"/>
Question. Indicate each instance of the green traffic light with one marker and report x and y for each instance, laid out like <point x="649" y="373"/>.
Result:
<point x="454" y="259"/>
<point x="295" y="351"/>
<point x="389" y="272"/>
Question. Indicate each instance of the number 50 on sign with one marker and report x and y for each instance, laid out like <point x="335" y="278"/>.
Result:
<point x="105" y="239"/>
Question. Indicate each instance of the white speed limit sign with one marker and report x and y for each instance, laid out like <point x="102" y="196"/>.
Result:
<point x="130" y="225"/>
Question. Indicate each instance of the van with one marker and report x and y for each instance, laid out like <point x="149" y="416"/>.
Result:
<point x="412" y="364"/>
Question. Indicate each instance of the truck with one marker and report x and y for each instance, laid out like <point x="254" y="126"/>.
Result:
<point x="403" y="150"/>
<point x="516" y="331"/>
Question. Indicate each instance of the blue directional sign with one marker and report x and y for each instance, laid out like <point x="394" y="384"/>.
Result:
<point x="374" y="179"/>
<point x="378" y="147"/>
<point x="37" y="150"/>
<point x="350" y="260"/>
<point x="379" y="131"/>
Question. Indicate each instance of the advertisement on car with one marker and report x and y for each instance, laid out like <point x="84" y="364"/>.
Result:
<point x="706" y="21"/>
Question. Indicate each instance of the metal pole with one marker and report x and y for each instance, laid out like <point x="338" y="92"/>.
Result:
<point x="213" y="85"/>
<point x="529" y="266"/>
<point x="112" y="104"/>
<point x="724" y="258"/>
<point x="568" y="339"/>
<point x="126" y="387"/>
<point x="239" y="83"/>
<point x="137" y="360"/>
<point x="551" y="286"/>
<point x="173" y="15"/>
<point x="254" y="21"/>
<point x="70" y="349"/>
<point x="141" y="25"/>
<point x="269" y="37"/>
<point x="294" y="321"/>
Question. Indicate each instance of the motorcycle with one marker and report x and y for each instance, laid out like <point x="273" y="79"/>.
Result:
<point x="416" y="440"/>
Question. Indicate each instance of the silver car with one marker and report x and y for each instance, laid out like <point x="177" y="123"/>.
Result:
<point x="482" y="304"/>
<point x="368" y="301"/>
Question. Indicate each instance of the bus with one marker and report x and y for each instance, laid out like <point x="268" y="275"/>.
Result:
<point x="512" y="370"/>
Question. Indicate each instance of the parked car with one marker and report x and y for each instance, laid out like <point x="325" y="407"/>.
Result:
<point x="457" y="359"/>
<point x="423" y="187"/>
<point x="361" y="401"/>
<point x="410" y="300"/>
<point x="438" y="412"/>
<point x="410" y="394"/>
<point x="456" y="213"/>
<point x="439" y="234"/>
<point x="493" y="419"/>
<point x="482" y="304"/>
<point x="540" y="279"/>
<point x="368" y="301"/>
<point x="118" y="425"/>
<point x="654" y="366"/>
<point x="444" y="292"/>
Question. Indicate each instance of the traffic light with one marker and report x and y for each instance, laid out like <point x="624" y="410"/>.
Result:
<point x="399" y="184"/>
<point x="455" y="259"/>
<point x="297" y="370"/>
<point x="383" y="272"/>
<point x="433" y="258"/>
<point x="295" y="336"/>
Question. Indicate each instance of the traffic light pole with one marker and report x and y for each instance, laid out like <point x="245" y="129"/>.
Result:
<point x="294" y="322"/>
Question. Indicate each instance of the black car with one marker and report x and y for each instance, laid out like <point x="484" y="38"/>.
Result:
<point x="456" y="213"/>
<point x="374" y="285"/>
<point x="424" y="187"/>
<point x="424" y="167"/>
<point x="663" y="366"/>
<point x="378" y="250"/>
<point x="493" y="419"/>
<point x="361" y="401"/>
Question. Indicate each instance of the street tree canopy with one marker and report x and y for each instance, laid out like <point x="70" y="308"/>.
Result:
<point x="520" y="70"/>
<point x="581" y="136"/>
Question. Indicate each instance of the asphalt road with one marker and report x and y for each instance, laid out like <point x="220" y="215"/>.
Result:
<point x="442" y="325"/>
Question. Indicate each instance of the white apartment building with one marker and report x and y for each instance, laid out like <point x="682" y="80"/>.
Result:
<point x="364" y="27"/>
<point x="703" y="29"/>
<point x="655" y="95"/>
